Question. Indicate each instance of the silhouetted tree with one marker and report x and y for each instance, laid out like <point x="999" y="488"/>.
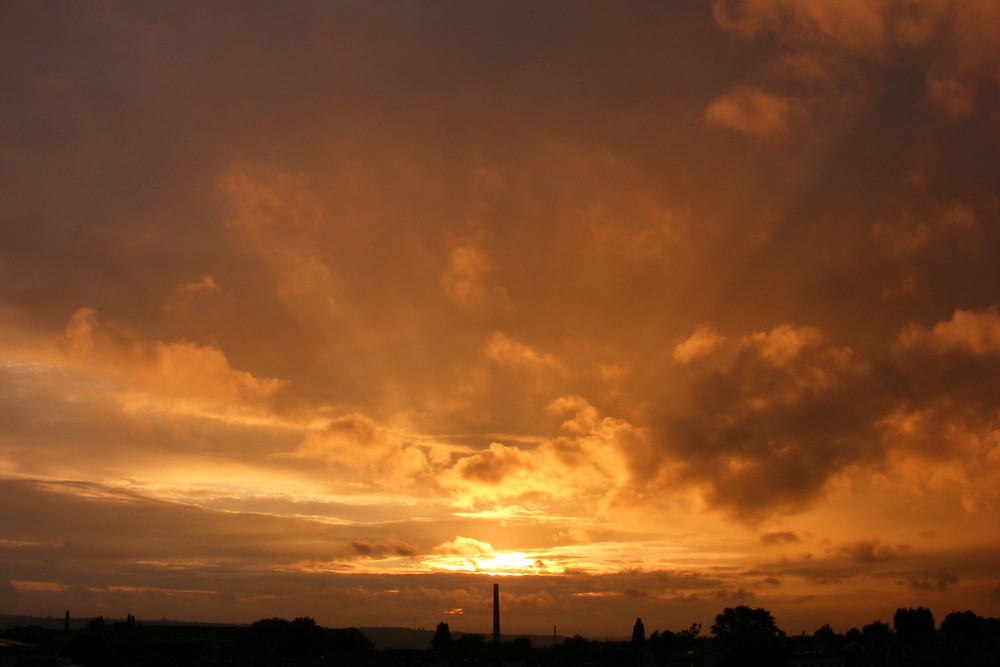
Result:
<point x="971" y="639"/>
<point x="665" y="642"/>
<point x="264" y="639"/>
<point x="442" y="636"/>
<point x="826" y="636"/>
<point x="913" y="625"/>
<point x="638" y="633"/>
<point x="853" y="636"/>
<point x="577" y="649"/>
<point x="305" y="638"/>
<point x="962" y="627"/>
<point x="876" y="633"/>
<point x="736" y="625"/>
<point x="691" y="633"/>
<point x="751" y="634"/>
<point x="271" y="638"/>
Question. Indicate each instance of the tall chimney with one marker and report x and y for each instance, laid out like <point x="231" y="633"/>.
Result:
<point x="496" y="613"/>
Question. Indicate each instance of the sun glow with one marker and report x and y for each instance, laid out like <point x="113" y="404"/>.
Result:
<point x="501" y="564"/>
<point x="514" y="563"/>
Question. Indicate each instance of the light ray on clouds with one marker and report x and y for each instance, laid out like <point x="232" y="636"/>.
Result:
<point x="349" y="309"/>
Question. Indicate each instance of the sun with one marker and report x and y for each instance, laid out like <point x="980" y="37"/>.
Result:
<point x="511" y="563"/>
<point x="495" y="563"/>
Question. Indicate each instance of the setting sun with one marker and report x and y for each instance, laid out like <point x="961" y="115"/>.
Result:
<point x="497" y="564"/>
<point x="513" y="564"/>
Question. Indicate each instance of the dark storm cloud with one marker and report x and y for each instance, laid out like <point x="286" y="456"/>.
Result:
<point x="937" y="581"/>
<point x="769" y="420"/>
<point x="382" y="549"/>
<point x="870" y="551"/>
<point x="929" y="569"/>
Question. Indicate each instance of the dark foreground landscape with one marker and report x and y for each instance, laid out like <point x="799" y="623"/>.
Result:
<point x="739" y="636"/>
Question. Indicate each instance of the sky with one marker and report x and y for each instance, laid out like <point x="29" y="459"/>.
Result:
<point x="350" y="310"/>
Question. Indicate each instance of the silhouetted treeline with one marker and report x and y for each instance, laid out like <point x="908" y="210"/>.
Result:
<point x="739" y="636"/>
<point x="276" y="641"/>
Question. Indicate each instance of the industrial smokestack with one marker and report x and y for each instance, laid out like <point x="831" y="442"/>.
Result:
<point x="496" y="613"/>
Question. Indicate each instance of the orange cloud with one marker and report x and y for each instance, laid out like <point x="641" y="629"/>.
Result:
<point x="506" y="351"/>
<point x="747" y="440"/>
<point x="634" y="227"/>
<point x="752" y="111"/>
<point x="158" y="375"/>
<point x="946" y="447"/>
<point x="973" y="332"/>
<point x="464" y="546"/>
<point x="278" y="217"/>
<point x="799" y="360"/>
<point x="495" y="465"/>
<point x="857" y="25"/>
<point x="909" y="236"/>
<point x="465" y="280"/>
<point x="959" y="35"/>
<point x="956" y="96"/>
<point x="704" y="339"/>
<point x="944" y="435"/>
<point x="357" y="444"/>
<point x="594" y="463"/>
<point x="206" y="284"/>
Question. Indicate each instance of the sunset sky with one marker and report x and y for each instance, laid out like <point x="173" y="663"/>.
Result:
<point x="351" y="309"/>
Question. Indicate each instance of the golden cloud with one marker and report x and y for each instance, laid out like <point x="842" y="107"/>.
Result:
<point x="357" y="443"/>
<point x="506" y="351"/>
<point x="704" y="339"/>
<point x="593" y="463"/>
<point x="946" y="446"/>
<point x="464" y="546"/>
<point x="168" y="376"/>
